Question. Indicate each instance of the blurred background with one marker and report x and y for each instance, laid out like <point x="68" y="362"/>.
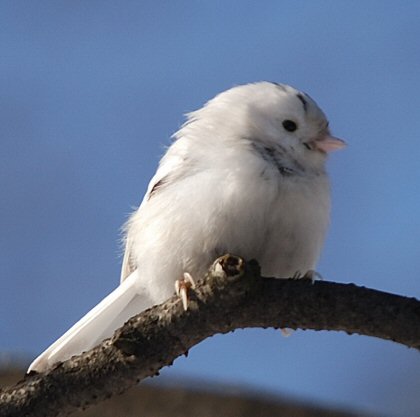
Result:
<point x="90" y="93"/>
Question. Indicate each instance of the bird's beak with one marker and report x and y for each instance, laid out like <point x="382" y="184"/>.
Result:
<point x="328" y="143"/>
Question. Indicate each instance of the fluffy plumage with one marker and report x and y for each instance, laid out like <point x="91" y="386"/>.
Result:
<point x="245" y="175"/>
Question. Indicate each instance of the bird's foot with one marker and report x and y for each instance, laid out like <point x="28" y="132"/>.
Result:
<point x="312" y="275"/>
<point x="182" y="287"/>
<point x="286" y="332"/>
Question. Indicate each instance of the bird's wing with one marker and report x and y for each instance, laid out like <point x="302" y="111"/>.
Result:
<point x="127" y="267"/>
<point x="170" y="170"/>
<point x="128" y="299"/>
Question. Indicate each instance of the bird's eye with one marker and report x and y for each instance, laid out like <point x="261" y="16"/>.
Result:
<point x="289" y="125"/>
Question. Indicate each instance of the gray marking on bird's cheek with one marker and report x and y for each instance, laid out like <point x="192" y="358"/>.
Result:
<point x="275" y="156"/>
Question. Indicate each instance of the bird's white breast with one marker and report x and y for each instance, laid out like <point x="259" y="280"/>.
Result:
<point x="236" y="204"/>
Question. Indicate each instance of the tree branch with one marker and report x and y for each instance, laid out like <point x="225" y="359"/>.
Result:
<point x="233" y="295"/>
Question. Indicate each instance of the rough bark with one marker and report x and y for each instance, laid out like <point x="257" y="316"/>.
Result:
<point x="232" y="296"/>
<point x="185" y="397"/>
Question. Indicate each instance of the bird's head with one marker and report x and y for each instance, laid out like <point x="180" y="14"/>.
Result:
<point x="274" y="115"/>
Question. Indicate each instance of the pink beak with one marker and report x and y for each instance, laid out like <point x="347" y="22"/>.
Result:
<point x="329" y="143"/>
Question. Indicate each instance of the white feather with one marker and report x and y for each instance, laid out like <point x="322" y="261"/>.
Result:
<point x="98" y="324"/>
<point x="235" y="180"/>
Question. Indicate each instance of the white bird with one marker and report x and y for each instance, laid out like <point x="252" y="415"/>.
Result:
<point x="245" y="175"/>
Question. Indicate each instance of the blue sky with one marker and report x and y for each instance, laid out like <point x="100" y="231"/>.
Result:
<point x="90" y="93"/>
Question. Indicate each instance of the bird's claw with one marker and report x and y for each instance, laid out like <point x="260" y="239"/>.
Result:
<point x="312" y="275"/>
<point x="286" y="332"/>
<point x="182" y="287"/>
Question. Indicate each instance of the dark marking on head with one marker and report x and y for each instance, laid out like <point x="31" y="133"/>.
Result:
<point x="280" y="86"/>
<point x="304" y="102"/>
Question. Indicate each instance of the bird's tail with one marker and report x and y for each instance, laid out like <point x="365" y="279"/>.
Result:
<point x="99" y="323"/>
